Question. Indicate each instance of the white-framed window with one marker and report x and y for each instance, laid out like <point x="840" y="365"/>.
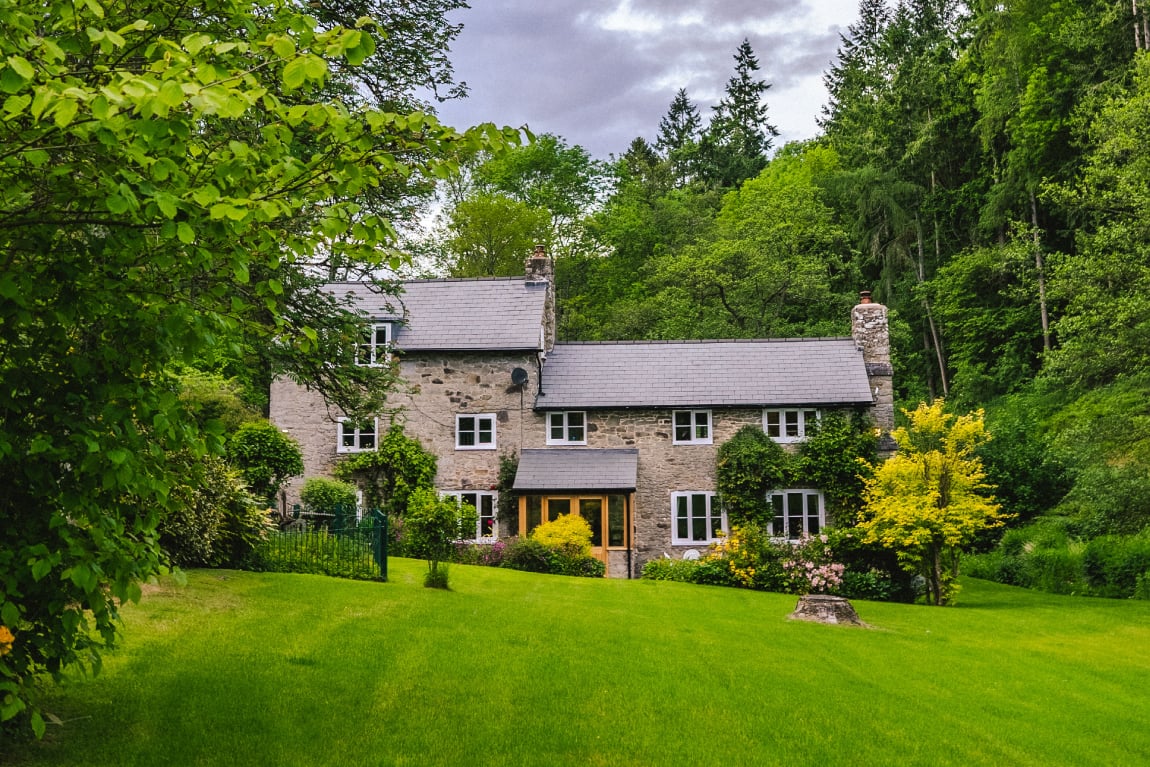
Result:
<point x="475" y="431"/>
<point x="486" y="508"/>
<point x="696" y="518"/>
<point x="375" y="347"/>
<point x="789" y="424"/>
<point x="691" y="427"/>
<point x="567" y="428"/>
<point x="796" y="512"/>
<point x="355" y="437"/>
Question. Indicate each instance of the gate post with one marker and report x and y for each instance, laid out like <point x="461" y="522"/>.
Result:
<point x="379" y="541"/>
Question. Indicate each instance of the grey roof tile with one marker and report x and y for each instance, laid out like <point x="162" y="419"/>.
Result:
<point x="820" y="371"/>
<point x="577" y="469"/>
<point x="499" y="313"/>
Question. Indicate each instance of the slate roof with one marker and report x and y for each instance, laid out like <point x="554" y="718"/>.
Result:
<point x="491" y="313"/>
<point x="821" y="371"/>
<point x="577" y="469"/>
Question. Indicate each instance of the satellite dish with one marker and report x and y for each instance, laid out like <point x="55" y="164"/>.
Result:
<point x="690" y="554"/>
<point x="518" y="376"/>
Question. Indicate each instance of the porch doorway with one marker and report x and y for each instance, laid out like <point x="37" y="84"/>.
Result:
<point x="609" y="516"/>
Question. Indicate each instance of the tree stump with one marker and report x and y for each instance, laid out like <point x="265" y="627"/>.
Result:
<point x="823" y="608"/>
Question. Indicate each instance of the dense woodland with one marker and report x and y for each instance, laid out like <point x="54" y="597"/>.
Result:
<point x="984" y="168"/>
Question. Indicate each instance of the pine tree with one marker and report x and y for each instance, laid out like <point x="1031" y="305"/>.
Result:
<point x="736" y="143"/>
<point x="678" y="139"/>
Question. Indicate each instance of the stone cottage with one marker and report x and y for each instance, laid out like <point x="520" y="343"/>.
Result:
<point x="623" y="433"/>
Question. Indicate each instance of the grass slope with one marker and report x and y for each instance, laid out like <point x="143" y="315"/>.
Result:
<point x="517" y="669"/>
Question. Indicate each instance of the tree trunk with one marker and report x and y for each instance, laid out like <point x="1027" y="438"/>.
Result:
<point x="1040" y="266"/>
<point x="921" y="275"/>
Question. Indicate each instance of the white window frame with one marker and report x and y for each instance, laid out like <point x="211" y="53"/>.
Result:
<point x="809" y="495"/>
<point x="714" y="512"/>
<point x="476" y="432"/>
<point x="372" y="353"/>
<point x="693" y="424"/>
<point x="493" y="517"/>
<point x="357" y="435"/>
<point x="561" y="419"/>
<point x="784" y="414"/>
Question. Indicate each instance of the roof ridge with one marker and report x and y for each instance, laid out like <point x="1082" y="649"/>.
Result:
<point x="703" y="341"/>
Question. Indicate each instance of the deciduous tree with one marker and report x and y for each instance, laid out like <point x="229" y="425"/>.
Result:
<point x="167" y="173"/>
<point x="931" y="498"/>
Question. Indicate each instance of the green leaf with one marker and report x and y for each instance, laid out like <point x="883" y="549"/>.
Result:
<point x="116" y="204"/>
<point x="65" y="113"/>
<point x="22" y="67"/>
<point x="15" y="104"/>
<point x="295" y="74"/>
<point x="284" y="47"/>
<point x="10" y="614"/>
<point x="171" y="94"/>
<point x="117" y="455"/>
<point x="186" y="233"/>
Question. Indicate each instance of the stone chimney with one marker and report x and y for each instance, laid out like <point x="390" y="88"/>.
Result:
<point x="871" y="333"/>
<point x="540" y="272"/>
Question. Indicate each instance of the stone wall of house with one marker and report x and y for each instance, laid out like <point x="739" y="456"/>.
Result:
<point x="664" y="467"/>
<point x="437" y="387"/>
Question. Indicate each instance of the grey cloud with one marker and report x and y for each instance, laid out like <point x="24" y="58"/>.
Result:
<point x="553" y="66"/>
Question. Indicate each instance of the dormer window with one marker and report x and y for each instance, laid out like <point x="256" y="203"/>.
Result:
<point x="789" y="425"/>
<point x="375" y="347"/>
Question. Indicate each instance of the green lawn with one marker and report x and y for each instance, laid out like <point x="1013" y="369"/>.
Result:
<point x="511" y="668"/>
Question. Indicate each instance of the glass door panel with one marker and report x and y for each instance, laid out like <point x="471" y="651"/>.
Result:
<point x="591" y="509"/>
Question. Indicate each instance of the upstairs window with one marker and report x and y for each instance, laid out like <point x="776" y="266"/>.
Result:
<point x="691" y="427"/>
<point x="375" y="346"/>
<point x="485" y="504"/>
<point x="356" y="437"/>
<point x="475" y="432"/>
<point x="567" y="428"/>
<point x="787" y="425"/>
<point x="796" y="512"/>
<point x="696" y="518"/>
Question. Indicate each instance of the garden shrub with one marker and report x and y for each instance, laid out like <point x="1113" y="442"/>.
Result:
<point x="265" y="458"/>
<point x="214" y="521"/>
<point x="533" y="556"/>
<point x="667" y="569"/>
<point x="484" y="554"/>
<point x="528" y="555"/>
<point x="1113" y="564"/>
<point x="327" y="496"/>
<point x="568" y="533"/>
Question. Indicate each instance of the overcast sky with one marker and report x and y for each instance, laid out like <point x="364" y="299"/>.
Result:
<point x="601" y="72"/>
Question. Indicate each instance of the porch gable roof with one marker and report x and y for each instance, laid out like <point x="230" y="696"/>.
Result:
<point x="571" y="469"/>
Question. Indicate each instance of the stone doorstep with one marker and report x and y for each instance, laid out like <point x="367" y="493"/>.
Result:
<point x="823" y="608"/>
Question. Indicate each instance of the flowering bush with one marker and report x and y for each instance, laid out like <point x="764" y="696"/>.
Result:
<point x="486" y="554"/>
<point x="810" y="568"/>
<point x="751" y="558"/>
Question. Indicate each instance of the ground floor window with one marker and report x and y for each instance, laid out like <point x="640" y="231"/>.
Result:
<point x="797" y="512"/>
<point x="608" y="515"/>
<point x="696" y="518"/>
<point x="486" y="527"/>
